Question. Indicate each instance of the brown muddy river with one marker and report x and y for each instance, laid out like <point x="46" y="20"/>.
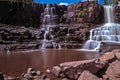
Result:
<point x="16" y="63"/>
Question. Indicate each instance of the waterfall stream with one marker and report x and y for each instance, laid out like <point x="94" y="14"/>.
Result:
<point x="48" y="24"/>
<point x="109" y="32"/>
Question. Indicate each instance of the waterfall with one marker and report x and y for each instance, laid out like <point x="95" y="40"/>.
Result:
<point x="108" y="33"/>
<point x="49" y="16"/>
<point x="48" y="24"/>
<point x="109" y="13"/>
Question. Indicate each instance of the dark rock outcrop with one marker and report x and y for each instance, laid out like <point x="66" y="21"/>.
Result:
<point x="117" y="14"/>
<point x="1" y="76"/>
<point x="19" y="13"/>
<point x="26" y="14"/>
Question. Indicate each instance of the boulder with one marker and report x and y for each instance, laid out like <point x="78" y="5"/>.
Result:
<point x="74" y="69"/>
<point x="76" y="63"/>
<point x="86" y="75"/>
<point x="109" y="56"/>
<point x="56" y="70"/>
<point x="64" y="79"/>
<point x="113" y="71"/>
<point x="117" y="55"/>
<point x="72" y="73"/>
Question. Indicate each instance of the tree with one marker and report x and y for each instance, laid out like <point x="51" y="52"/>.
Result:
<point x="108" y="2"/>
<point x="115" y="1"/>
<point x="19" y="0"/>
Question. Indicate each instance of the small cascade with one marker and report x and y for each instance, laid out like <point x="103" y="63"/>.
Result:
<point x="48" y="24"/>
<point x="48" y="38"/>
<point x="49" y="15"/>
<point x="109" y="13"/>
<point x="59" y="46"/>
<point x="108" y="33"/>
<point x="92" y="45"/>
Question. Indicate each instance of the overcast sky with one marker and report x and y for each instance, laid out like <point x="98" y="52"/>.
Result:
<point x="61" y="1"/>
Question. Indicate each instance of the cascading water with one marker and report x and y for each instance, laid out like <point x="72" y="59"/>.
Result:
<point x="49" y="16"/>
<point x="48" y="24"/>
<point x="110" y="32"/>
<point x="109" y="13"/>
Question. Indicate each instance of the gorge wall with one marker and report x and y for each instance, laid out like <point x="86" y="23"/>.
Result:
<point x="27" y="14"/>
<point x="117" y="14"/>
<point x="19" y="13"/>
<point x="25" y="22"/>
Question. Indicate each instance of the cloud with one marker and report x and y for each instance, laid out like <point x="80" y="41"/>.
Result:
<point x="63" y="4"/>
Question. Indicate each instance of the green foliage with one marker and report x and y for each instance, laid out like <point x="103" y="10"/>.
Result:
<point x="84" y="9"/>
<point x="82" y="14"/>
<point x="115" y="1"/>
<point x="109" y="2"/>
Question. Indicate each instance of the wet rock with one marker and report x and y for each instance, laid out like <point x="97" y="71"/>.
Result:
<point x="117" y="55"/>
<point x="92" y="65"/>
<point x="86" y="75"/>
<point x="28" y="76"/>
<point x="30" y="70"/>
<point x="11" y="78"/>
<point x="47" y="79"/>
<point x="1" y="76"/>
<point x="117" y="15"/>
<point x="72" y="73"/>
<point x="43" y="76"/>
<point x="56" y="70"/>
<point x="34" y="75"/>
<point x="105" y="77"/>
<point x="38" y="73"/>
<point x="76" y="63"/>
<point x="48" y="71"/>
<point x="75" y="68"/>
<point x="116" y="50"/>
<point x="113" y="71"/>
<point x="65" y="79"/>
<point x="109" y="56"/>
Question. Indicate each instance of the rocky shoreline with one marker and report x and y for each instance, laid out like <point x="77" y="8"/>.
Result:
<point x="105" y="67"/>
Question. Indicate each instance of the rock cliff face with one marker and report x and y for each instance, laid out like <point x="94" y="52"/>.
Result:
<point x="117" y="14"/>
<point x="85" y="12"/>
<point x="31" y="14"/>
<point x="18" y="13"/>
<point x="72" y="23"/>
<point x="17" y="36"/>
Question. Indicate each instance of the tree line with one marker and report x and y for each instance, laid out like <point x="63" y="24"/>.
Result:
<point x="19" y="0"/>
